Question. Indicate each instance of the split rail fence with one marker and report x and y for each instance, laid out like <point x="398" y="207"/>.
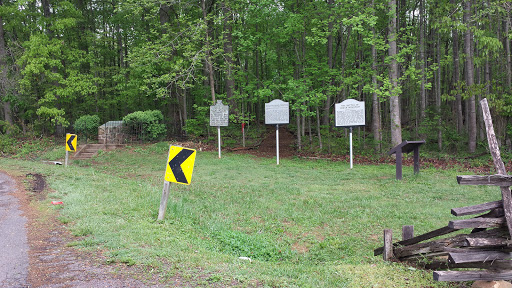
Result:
<point x="485" y="252"/>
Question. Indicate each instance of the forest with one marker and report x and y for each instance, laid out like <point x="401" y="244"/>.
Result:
<point x="420" y="66"/>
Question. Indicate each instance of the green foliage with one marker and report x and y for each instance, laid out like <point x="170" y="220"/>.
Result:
<point x="6" y="128"/>
<point x="87" y="125"/>
<point x="145" y="125"/>
<point x="7" y="144"/>
<point x="198" y="126"/>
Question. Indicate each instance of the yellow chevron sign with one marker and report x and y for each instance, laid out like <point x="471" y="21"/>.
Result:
<point x="71" y="142"/>
<point x="180" y="165"/>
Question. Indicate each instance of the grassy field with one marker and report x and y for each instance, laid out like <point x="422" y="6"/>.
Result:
<point x="302" y="223"/>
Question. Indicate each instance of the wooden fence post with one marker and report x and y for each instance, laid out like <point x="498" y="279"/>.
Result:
<point x="388" y="245"/>
<point x="407" y="232"/>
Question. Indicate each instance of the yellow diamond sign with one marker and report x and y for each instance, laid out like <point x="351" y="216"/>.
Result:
<point x="71" y="142"/>
<point x="180" y="165"/>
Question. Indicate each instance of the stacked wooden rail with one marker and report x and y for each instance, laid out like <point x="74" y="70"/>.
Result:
<point x="486" y="246"/>
<point x="484" y="252"/>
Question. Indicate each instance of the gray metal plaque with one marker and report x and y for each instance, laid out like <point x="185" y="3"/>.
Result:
<point x="277" y="112"/>
<point x="349" y="113"/>
<point x="219" y="114"/>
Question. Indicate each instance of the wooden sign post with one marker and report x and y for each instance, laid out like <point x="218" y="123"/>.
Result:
<point x="180" y="165"/>
<point x="349" y="114"/>
<point x="277" y="112"/>
<point x="219" y="116"/>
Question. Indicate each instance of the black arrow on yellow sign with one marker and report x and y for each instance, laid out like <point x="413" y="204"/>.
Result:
<point x="175" y="165"/>
<point x="70" y="142"/>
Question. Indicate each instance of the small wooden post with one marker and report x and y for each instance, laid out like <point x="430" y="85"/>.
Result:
<point x="399" y="164"/>
<point x="416" y="159"/>
<point x="407" y="232"/>
<point x="388" y="245"/>
<point x="163" y="200"/>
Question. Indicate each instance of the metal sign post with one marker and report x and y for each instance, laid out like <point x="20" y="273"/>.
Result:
<point x="277" y="143"/>
<point x="218" y="138"/>
<point x="219" y="116"/>
<point x="349" y="114"/>
<point x="351" y="158"/>
<point x="277" y="112"/>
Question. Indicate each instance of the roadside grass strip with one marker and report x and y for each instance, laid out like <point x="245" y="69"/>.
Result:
<point x="247" y="221"/>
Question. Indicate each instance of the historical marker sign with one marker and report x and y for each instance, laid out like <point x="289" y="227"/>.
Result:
<point x="349" y="113"/>
<point x="277" y="112"/>
<point x="219" y="114"/>
<point x="71" y="142"/>
<point x="180" y="165"/>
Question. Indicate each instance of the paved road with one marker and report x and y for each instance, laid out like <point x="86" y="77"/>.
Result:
<point x="13" y="238"/>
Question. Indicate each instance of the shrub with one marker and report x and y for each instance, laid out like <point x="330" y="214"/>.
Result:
<point x="7" y="144"/>
<point x="87" y="125"/>
<point x="145" y="125"/>
<point x="6" y="128"/>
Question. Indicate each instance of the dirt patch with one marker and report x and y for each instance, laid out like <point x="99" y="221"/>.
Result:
<point x="37" y="185"/>
<point x="267" y="147"/>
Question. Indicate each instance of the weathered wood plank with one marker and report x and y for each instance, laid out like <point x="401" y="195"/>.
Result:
<point x="490" y="180"/>
<point x="476" y="209"/>
<point x="471" y="275"/>
<point x="495" y="265"/>
<point x="478" y="256"/>
<point x="487" y="242"/>
<point x="428" y="248"/>
<point x="477" y="223"/>
<point x="446" y="244"/>
<point x="419" y="238"/>
<point x="498" y="163"/>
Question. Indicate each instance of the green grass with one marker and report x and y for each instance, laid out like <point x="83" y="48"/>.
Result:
<point x="302" y="223"/>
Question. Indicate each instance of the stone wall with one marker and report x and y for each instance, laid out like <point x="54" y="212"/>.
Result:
<point x="112" y="133"/>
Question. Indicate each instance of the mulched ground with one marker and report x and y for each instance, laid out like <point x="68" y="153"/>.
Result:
<point x="267" y="148"/>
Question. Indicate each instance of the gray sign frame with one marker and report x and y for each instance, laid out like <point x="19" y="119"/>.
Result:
<point x="219" y="114"/>
<point x="349" y="113"/>
<point x="277" y="112"/>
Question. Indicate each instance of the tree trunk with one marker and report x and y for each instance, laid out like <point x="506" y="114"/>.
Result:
<point x="456" y="78"/>
<point x="376" y="127"/>
<point x="470" y="78"/>
<point x="507" y="49"/>
<point x="394" y="101"/>
<point x="423" y="96"/>
<point x="318" y="128"/>
<point x="228" y="54"/>
<point x="438" y="95"/>
<point x="4" y="81"/>
<point x="208" y="53"/>
<point x="330" y="63"/>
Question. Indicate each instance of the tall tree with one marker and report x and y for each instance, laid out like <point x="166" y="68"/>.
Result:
<point x="456" y="72"/>
<point x="394" y="90"/>
<point x="4" y="80"/>
<point x="470" y="77"/>
<point x="376" y="120"/>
